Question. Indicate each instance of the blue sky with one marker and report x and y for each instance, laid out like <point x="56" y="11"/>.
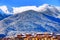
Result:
<point x="29" y="2"/>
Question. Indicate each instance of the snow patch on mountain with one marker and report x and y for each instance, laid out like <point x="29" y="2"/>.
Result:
<point x="42" y="8"/>
<point x="25" y="8"/>
<point x="4" y="9"/>
<point x="16" y="10"/>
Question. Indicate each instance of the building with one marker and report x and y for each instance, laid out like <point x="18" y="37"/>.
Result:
<point x="44" y="36"/>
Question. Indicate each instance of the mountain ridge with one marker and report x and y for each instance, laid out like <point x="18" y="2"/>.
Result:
<point x="31" y="21"/>
<point x="29" y="18"/>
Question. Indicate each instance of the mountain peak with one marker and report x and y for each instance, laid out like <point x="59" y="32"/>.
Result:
<point x="4" y="9"/>
<point x="46" y="5"/>
<point x="15" y="10"/>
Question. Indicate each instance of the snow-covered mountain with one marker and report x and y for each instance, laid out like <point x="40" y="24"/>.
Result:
<point x="31" y="19"/>
<point x="4" y="12"/>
